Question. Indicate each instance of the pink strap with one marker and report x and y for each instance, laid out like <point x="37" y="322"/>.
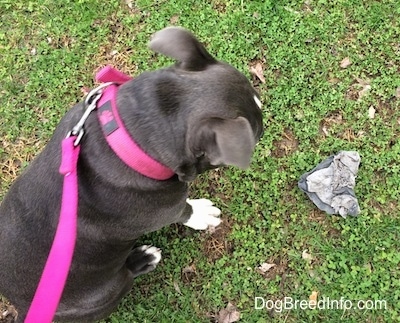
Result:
<point x="116" y="134"/>
<point x="55" y="273"/>
<point x="110" y="74"/>
<point x="54" y="276"/>
<point x="122" y="143"/>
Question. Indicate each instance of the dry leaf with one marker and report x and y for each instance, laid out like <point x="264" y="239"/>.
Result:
<point x="292" y="10"/>
<point x="364" y="91"/>
<point x="8" y="312"/>
<point x="359" y="89"/>
<point x="345" y="62"/>
<point x="397" y="94"/>
<point x="114" y="52"/>
<point x="211" y="229"/>
<point x="368" y="267"/>
<point x="365" y="85"/>
<point x="258" y="71"/>
<point x="85" y="90"/>
<point x="129" y="4"/>
<point x="177" y="288"/>
<point x="174" y="19"/>
<point x="228" y="315"/>
<point x="314" y="275"/>
<point x="371" y="112"/>
<point x="189" y="269"/>
<point x="334" y="81"/>
<point x="363" y="82"/>
<point x="306" y="256"/>
<point x="313" y="298"/>
<point x="265" y="267"/>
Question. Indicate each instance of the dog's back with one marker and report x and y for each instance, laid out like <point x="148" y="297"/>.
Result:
<point x="194" y="116"/>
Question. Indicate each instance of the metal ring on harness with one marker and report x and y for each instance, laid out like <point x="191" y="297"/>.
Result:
<point x="90" y="101"/>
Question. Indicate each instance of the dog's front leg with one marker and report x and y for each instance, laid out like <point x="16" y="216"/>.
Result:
<point x="203" y="214"/>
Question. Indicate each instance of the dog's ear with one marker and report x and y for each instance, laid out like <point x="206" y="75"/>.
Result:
<point x="226" y="142"/>
<point x="180" y="44"/>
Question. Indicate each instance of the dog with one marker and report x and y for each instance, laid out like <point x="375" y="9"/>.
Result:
<point x="193" y="116"/>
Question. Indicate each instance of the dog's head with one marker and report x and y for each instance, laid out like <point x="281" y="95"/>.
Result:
<point x="225" y="112"/>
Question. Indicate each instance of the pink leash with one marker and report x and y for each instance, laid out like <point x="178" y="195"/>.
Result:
<point x="54" y="276"/>
<point x="55" y="273"/>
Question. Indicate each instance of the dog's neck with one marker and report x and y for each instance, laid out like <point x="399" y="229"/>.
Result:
<point x="118" y="138"/>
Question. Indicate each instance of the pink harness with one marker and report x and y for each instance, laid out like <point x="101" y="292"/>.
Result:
<point x="55" y="273"/>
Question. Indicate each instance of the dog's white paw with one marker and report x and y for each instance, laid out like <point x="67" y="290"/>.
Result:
<point x="143" y="259"/>
<point x="204" y="214"/>
<point x="151" y="251"/>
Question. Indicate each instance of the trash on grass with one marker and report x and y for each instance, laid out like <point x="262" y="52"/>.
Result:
<point x="330" y="185"/>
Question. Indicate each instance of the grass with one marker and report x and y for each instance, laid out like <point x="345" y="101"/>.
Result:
<point x="313" y="108"/>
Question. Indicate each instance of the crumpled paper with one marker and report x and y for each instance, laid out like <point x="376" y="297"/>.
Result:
<point x="330" y="185"/>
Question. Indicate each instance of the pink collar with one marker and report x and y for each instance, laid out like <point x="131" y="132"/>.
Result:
<point x="116" y="134"/>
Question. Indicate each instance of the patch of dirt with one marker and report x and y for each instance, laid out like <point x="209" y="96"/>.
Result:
<point x="8" y="314"/>
<point x="285" y="146"/>
<point x="334" y="233"/>
<point x="219" y="6"/>
<point x="332" y="119"/>
<point x="174" y="20"/>
<point x="358" y="89"/>
<point x="189" y="273"/>
<point x="280" y="268"/>
<point x="216" y="244"/>
<point x="316" y="215"/>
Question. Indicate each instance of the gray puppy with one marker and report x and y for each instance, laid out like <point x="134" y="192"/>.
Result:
<point x="193" y="116"/>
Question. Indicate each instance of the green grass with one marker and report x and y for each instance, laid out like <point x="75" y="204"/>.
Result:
<point x="312" y="109"/>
